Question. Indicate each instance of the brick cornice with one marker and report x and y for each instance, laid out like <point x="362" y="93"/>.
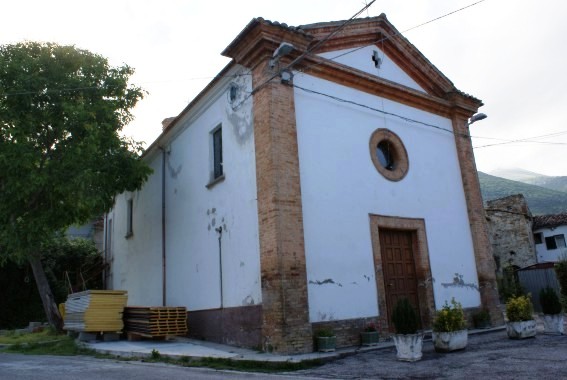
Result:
<point x="260" y="38"/>
<point x="378" y="31"/>
<point x="371" y="84"/>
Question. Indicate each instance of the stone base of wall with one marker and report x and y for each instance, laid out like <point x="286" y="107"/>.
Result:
<point x="236" y="326"/>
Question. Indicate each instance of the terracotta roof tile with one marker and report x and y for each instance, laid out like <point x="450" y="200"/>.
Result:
<point x="553" y="220"/>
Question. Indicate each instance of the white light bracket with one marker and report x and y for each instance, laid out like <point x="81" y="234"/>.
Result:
<point x="286" y="76"/>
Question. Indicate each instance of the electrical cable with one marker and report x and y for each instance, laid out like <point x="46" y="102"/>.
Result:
<point x="527" y="139"/>
<point x="249" y="73"/>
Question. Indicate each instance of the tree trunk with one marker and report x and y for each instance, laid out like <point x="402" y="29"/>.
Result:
<point x="49" y="305"/>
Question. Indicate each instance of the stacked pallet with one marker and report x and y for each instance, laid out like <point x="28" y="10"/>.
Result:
<point x="95" y="311"/>
<point x="155" y="322"/>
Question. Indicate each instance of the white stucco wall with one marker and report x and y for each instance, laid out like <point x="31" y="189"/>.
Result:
<point x="542" y="253"/>
<point x="194" y="212"/>
<point x="361" y="59"/>
<point x="136" y="260"/>
<point x="341" y="187"/>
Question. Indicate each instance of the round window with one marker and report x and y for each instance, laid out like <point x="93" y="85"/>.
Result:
<point x="388" y="154"/>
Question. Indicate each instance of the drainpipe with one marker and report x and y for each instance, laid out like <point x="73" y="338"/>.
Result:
<point x="219" y="230"/>
<point x="105" y="270"/>
<point x="163" y="235"/>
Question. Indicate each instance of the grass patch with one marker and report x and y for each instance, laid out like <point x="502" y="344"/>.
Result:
<point x="46" y="342"/>
<point x="14" y="337"/>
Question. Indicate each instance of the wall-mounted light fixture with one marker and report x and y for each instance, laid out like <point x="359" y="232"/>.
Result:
<point x="476" y="117"/>
<point x="284" y="49"/>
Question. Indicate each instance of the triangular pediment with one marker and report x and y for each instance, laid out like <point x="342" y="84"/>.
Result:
<point x="342" y="51"/>
<point x="374" y="61"/>
<point x="402" y="62"/>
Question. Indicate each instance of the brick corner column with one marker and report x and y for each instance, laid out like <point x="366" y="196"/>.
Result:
<point x="285" y="308"/>
<point x="484" y="259"/>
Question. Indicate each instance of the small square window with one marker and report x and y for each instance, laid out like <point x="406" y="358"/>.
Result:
<point x="538" y="238"/>
<point x="550" y="243"/>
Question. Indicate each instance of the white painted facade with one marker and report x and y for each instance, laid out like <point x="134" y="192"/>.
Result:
<point x="196" y="215"/>
<point x="340" y="188"/>
<point x="546" y="255"/>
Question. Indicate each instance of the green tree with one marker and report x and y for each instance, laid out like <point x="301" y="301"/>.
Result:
<point x="62" y="158"/>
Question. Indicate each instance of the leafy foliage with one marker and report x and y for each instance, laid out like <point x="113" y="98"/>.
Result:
<point x="404" y="317"/>
<point x="481" y="318"/>
<point x="61" y="157"/>
<point x="450" y="318"/>
<point x="549" y="301"/>
<point x="561" y="272"/>
<point x="509" y="284"/>
<point x="519" y="309"/>
<point x="19" y="300"/>
<point x="325" y="333"/>
<point x="540" y="200"/>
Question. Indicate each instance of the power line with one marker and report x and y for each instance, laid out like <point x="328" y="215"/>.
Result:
<point x="528" y="139"/>
<point x="383" y="39"/>
<point x="380" y="111"/>
<point x="249" y="73"/>
<point x="347" y="101"/>
<point x="301" y="56"/>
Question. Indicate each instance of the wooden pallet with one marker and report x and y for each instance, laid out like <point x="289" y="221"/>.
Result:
<point x="155" y="322"/>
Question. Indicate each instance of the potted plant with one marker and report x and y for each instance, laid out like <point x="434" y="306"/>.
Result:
<point x="408" y="341"/>
<point x="521" y="324"/>
<point x="481" y="319"/>
<point x="551" y="307"/>
<point x="370" y="335"/>
<point x="450" y="328"/>
<point x="326" y="340"/>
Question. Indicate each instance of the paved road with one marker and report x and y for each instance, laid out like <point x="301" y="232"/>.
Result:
<point x="488" y="356"/>
<point x="46" y="367"/>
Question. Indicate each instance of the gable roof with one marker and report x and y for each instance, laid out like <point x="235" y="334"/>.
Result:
<point x="259" y="39"/>
<point x="354" y="33"/>
<point x="549" y="221"/>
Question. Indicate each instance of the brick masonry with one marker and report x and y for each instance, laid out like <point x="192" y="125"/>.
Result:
<point x="285" y="324"/>
<point x="485" y="265"/>
<point x="510" y="230"/>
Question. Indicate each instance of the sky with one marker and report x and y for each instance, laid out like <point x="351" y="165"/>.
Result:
<point x="508" y="53"/>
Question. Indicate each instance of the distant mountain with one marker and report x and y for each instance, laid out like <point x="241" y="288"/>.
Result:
<point x="540" y="199"/>
<point x="516" y="174"/>
<point x="526" y="176"/>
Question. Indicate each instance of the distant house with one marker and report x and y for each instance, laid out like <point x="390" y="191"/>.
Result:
<point x="94" y="230"/>
<point x="549" y="236"/>
<point x="510" y="226"/>
<point x="305" y="189"/>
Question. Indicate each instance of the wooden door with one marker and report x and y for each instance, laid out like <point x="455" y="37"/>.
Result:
<point x="397" y="249"/>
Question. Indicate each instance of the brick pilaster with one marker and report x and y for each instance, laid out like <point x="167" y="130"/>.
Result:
<point x="485" y="265"/>
<point x="285" y="325"/>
